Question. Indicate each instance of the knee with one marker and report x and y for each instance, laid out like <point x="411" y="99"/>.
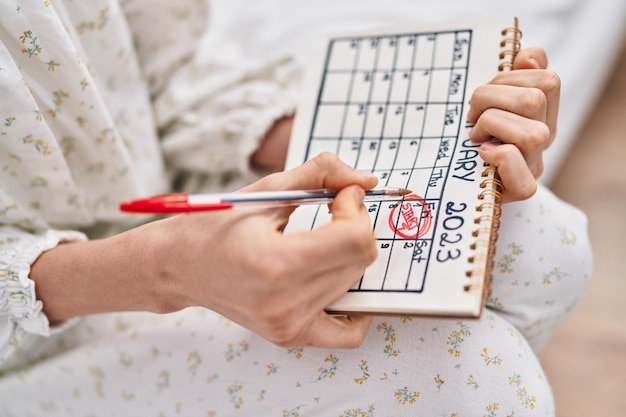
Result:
<point x="543" y="264"/>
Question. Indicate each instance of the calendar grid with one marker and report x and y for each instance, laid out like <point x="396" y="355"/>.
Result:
<point x="380" y="109"/>
<point x="387" y="263"/>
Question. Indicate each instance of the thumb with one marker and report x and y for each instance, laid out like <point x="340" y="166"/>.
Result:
<point x="531" y="58"/>
<point x="348" y="203"/>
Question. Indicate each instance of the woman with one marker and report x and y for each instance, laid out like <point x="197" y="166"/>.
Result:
<point x="101" y="104"/>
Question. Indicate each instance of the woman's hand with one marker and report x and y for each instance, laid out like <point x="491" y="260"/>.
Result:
<point x="240" y="264"/>
<point x="519" y="108"/>
<point x="235" y="262"/>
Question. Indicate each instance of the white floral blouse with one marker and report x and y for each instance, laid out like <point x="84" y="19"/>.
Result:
<point x="102" y="101"/>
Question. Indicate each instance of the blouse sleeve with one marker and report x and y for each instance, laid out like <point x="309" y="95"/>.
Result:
<point x="54" y="175"/>
<point x="20" y="310"/>
<point x="90" y="100"/>
<point x="212" y="104"/>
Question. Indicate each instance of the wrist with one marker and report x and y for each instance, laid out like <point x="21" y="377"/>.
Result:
<point x="271" y="153"/>
<point x="158" y="265"/>
<point x="119" y="273"/>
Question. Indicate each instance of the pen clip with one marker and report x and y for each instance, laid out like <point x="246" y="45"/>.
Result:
<point x="170" y="204"/>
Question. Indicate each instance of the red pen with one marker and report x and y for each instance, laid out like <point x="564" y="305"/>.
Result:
<point x="185" y="203"/>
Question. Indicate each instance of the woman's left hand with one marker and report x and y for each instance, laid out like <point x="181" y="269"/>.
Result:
<point x="520" y="109"/>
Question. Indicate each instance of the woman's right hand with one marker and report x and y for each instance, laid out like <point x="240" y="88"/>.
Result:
<point x="235" y="262"/>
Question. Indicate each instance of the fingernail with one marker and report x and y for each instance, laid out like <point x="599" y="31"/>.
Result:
<point x="359" y="194"/>
<point x="487" y="146"/>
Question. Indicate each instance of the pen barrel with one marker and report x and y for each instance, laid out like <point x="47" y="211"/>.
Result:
<point x="185" y="203"/>
<point x="288" y="197"/>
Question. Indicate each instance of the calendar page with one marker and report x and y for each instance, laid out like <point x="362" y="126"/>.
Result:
<point x="394" y="102"/>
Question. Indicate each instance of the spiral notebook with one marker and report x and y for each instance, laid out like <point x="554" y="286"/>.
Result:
<point x="394" y="102"/>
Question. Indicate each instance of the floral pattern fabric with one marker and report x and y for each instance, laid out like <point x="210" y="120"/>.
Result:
<point x="102" y="101"/>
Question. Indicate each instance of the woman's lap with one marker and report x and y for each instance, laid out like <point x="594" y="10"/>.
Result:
<point x="196" y="363"/>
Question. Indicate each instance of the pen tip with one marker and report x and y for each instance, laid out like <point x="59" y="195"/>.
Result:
<point x="404" y="191"/>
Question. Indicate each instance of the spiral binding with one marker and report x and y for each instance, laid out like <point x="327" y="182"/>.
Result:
<point x="489" y="209"/>
<point x="510" y="45"/>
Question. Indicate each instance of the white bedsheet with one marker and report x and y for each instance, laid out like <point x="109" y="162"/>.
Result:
<point x="582" y="37"/>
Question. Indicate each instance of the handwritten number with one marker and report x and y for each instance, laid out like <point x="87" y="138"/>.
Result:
<point x="453" y="221"/>
<point x="451" y="255"/>
<point x="450" y="208"/>
<point x="445" y="240"/>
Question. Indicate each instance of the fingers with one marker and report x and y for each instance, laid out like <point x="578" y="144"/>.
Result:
<point x="298" y="275"/>
<point x="523" y="99"/>
<point x="326" y="331"/>
<point x="537" y="82"/>
<point x="529" y="136"/>
<point x="534" y="94"/>
<point x="303" y="320"/>
<point x="349" y="234"/>
<point x="324" y="171"/>
<point x="330" y="332"/>
<point x="348" y="239"/>
<point x="520" y="108"/>
<point x="526" y="101"/>
<point x="531" y="58"/>
<point x="334" y="258"/>
<point x="297" y="316"/>
<point x="519" y="180"/>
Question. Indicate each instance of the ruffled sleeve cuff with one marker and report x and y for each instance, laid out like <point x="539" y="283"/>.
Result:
<point x="18" y="299"/>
